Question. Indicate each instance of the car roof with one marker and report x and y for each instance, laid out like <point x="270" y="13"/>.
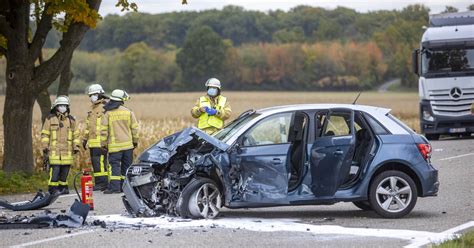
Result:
<point x="368" y="109"/>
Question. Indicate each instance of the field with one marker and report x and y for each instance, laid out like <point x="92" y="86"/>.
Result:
<point x="161" y="114"/>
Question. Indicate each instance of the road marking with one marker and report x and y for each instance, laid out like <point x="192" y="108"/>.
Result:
<point x="450" y="234"/>
<point x="458" y="156"/>
<point x="51" y="239"/>
<point x="70" y="195"/>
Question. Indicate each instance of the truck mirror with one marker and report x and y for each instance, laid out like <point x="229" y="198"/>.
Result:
<point x="415" y="64"/>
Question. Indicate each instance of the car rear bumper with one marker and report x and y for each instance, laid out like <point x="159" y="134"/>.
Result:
<point x="430" y="183"/>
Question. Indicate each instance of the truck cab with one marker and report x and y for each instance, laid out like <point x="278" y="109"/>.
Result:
<point x="445" y="66"/>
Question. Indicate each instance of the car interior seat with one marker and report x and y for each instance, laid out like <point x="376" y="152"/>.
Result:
<point x="296" y="151"/>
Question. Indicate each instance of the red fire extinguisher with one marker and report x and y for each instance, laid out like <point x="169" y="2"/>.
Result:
<point x="87" y="188"/>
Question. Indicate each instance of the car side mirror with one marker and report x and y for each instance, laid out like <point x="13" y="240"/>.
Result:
<point x="414" y="59"/>
<point x="238" y="148"/>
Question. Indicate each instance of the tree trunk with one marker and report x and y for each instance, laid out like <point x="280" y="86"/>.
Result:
<point x="17" y="123"/>
<point x="65" y="79"/>
<point x="44" y="102"/>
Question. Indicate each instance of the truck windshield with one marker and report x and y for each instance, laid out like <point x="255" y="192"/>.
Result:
<point x="447" y="62"/>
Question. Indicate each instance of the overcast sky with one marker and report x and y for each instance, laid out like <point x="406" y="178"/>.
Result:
<point x="160" y="6"/>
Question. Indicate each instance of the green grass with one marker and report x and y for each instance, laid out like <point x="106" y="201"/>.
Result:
<point x="20" y="182"/>
<point x="465" y="241"/>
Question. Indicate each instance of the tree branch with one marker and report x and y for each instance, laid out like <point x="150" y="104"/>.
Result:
<point x="42" y="31"/>
<point x="47" y="72"/>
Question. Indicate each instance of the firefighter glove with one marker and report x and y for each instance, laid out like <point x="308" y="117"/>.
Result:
<point x="211" y="111"/>
<point x="135" y="145"/>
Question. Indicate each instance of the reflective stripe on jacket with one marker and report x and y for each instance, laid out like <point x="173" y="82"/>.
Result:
<point x="119" y="129"/>
<point x="60" y="136"/>
<point x="92" y="132"/>
<point x="205" y="121"/>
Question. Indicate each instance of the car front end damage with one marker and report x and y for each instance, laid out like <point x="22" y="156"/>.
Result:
<point x="155" y="184"/>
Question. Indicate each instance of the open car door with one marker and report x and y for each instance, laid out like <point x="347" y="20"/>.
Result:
<point x="332" y="151"/>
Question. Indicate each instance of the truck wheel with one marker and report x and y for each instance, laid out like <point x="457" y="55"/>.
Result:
<point x="393" y="194"/>
<point x="432" y="136"/>
<point x="201" y="198"/>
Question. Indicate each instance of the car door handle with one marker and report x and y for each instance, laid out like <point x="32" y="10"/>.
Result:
<point x="277" y="161"/>
<point x="338" y="152"/>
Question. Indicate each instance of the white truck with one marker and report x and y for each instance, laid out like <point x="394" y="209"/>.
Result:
<point x="445" y="66"/>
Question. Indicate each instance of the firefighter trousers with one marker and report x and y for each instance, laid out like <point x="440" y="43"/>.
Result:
<point x="99" y="164"/>
<point x="58" y="177"/>
<point x="119" y="163"/>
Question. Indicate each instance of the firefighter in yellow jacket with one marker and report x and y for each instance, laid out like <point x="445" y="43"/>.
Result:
<point x="119" y="138"/>
<point x="60" y="142"/>
<point x="213" y="109"/>
<point x="92" y="135"/>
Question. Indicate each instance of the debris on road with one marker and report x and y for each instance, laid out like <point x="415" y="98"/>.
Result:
<point x="41" y="200"/>
<point x="75" y="218"/>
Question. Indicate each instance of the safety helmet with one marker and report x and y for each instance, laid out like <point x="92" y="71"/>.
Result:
<point x="213" y="82"/>
<point x="95" y="89"/>
<point x="60" y="100"/>
<point x="119" y="95"/>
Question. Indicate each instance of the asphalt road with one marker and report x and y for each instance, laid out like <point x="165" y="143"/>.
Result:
<point x="341" y="225"/>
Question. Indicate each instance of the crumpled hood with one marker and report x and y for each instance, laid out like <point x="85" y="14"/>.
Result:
<point x="166" y="148"/>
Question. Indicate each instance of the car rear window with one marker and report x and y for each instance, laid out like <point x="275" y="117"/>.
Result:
<point x="400" y="123"/>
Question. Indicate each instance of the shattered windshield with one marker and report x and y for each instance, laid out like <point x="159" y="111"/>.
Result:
<point x="447" y="61"/>
<point x="227" y="132"/>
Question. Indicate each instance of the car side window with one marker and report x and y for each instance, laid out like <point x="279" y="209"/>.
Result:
<point x="337" y="124"/>
<point x="271" y="130"/>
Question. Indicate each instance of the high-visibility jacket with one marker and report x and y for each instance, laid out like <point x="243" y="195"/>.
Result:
<point x="60" y="137"/>
<point x="216" y="121"/>
<point x="119" y="129"/>
<point x="92" y="132"/>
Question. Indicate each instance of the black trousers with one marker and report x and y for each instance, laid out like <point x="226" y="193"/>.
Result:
<point x="99" y="164"/>
<point x="119" y="163"/>
<point x="58" y="177"/>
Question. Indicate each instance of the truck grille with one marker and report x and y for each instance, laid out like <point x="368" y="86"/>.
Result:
<point x="452" y="102"/>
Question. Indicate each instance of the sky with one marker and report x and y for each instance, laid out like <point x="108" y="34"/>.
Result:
<point x="161" y="6"/>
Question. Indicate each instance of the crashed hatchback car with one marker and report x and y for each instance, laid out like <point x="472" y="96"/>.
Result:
<point x="288" y="155"/>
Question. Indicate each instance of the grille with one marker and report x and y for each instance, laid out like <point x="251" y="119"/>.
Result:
<point x="139" y="169"/>
<point x="442" y="103"/>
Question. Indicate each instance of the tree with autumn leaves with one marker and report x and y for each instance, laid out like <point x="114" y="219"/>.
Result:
<point x="27" y="75"/>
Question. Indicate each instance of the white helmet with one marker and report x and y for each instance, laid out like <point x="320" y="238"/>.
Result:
<point x="119" y="95"/>
<point x="95" y="89"/>
<point x="60" y="100"/>
<point x="213" y="82"/>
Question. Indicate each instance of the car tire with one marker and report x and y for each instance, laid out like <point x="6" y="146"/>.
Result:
<point x="393" y="194"/>
<point x="364" y="205"/>
<point x="200" y="198"/>
<point x="432" y="136"/>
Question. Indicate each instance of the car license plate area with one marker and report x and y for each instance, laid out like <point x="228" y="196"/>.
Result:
<point x="457" y="130"/>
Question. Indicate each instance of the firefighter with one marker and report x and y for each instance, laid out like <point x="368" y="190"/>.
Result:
<point x="60" y="142"/>
<point x="92" y="135"/>
<point x="119" y="138"/>
<point x="212" y="109"/>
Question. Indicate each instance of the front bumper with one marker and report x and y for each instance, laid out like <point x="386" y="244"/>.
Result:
<point x="445" y="124"/>
<point x="134" y="205"/>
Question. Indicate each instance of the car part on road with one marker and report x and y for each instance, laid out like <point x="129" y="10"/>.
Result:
<point x="76" y="217"/>
<point x="41" y="200"/>
<point x="393" y="194"/>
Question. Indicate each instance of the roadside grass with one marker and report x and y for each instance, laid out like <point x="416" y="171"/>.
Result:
<point x="20" y="182"/>
<point x="465" y="241"/>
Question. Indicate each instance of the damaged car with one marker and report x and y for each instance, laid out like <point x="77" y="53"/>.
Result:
<point x="308" y="154"/>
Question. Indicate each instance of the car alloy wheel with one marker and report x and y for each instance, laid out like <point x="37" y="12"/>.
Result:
<point x="205" y="202"/>
<point x="393" y="194"/>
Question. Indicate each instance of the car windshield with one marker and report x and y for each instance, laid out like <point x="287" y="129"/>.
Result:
<point x="227" y="132"/>
<point x="447" y="61"/>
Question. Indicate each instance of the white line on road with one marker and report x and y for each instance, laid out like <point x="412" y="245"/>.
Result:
<point x="458" y="156"/>
<point x="51" y="239"/>
<point x="449" y="234"/>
